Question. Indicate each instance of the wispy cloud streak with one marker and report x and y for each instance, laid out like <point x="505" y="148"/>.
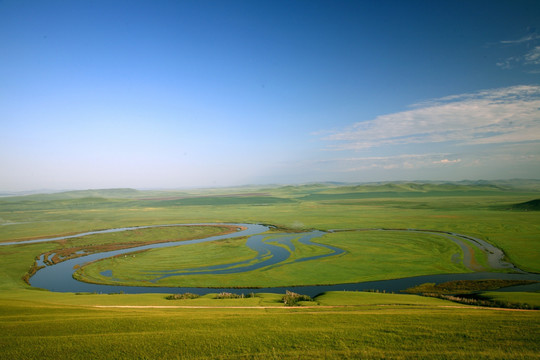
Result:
<point x="525" y="39"/>
<point x="533" y="56"/>
<point x="527" y="53"/>
<point x="502" y="158"/>
<point x="402" y="161"/>
<point x="506" y="115"/>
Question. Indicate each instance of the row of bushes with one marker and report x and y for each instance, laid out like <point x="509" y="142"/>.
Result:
<point x="182" y="296"/>
<point x="377" y="291"/>
<point x="222" y="295"/>
<point x="289" y="299"/>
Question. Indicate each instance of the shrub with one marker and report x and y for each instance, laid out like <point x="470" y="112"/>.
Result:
<point x="226" y="295"/>
<point x="291" y="298"/>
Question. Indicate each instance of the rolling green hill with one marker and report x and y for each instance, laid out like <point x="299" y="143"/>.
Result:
<point x="533" y="205"/>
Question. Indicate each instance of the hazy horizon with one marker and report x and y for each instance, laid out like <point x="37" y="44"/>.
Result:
<point x="518" y="183"/>
<point x="177" y="95"/>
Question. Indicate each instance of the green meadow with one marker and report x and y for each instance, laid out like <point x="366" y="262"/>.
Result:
<point x="369" y="255"/>
<point x="41" y="324"/>
<point x="38" y="330"/>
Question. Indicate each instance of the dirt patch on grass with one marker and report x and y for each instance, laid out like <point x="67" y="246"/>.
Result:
<point x="473" y="265"/>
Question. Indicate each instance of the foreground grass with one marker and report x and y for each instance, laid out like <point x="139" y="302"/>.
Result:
<point x="37" y="330"/>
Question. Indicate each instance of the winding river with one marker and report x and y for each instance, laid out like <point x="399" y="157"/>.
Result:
<point x="272" y="250"/>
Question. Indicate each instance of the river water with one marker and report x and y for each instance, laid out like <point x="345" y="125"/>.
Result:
<point x="58" y="277"/>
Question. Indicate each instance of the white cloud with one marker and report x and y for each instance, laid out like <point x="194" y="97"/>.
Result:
<point x="447" y="161"/>
<point x="524" y="57"/>
<point x="524" y="39"/>
<point x="487" y="117"/>
<point x="533" y="56"/>
<point x="505" y="161"/>
<point x="403" y="161"/>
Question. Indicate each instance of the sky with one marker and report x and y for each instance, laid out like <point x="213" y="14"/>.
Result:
<point x="182" y="94"/>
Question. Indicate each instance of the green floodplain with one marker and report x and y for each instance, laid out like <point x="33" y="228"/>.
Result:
<point x="40" y="324"/>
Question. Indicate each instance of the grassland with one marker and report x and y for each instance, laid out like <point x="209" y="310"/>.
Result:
<point x="483" y="213"/>
<point x="36" y="330"/>
<point x="370" y="255"/>
<point x="41" y="324"/>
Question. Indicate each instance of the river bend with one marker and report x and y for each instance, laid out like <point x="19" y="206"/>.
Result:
<point x="59" y="277"/>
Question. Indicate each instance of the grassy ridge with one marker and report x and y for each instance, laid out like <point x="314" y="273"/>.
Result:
<point x="533" y="205"/>
<point x="394" y="194"/>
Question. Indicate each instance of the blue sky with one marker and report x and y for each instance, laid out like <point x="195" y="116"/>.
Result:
<point x="174" y="94"/>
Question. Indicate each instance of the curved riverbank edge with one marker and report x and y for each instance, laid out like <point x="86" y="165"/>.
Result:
<point x="59" y="277"/>
<point x="495" y="256"/>
<point x="105" y="231"/>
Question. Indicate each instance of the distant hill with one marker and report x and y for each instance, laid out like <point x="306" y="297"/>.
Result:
<point x="319" y="190"/>
<point x="79" y="194"/>
<point x="105" y="193"/>
<point x="533" y="205"/>
<point x="516" y="184"/>
<point x="413" y="187"/>
<point x="422" y="185"/>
